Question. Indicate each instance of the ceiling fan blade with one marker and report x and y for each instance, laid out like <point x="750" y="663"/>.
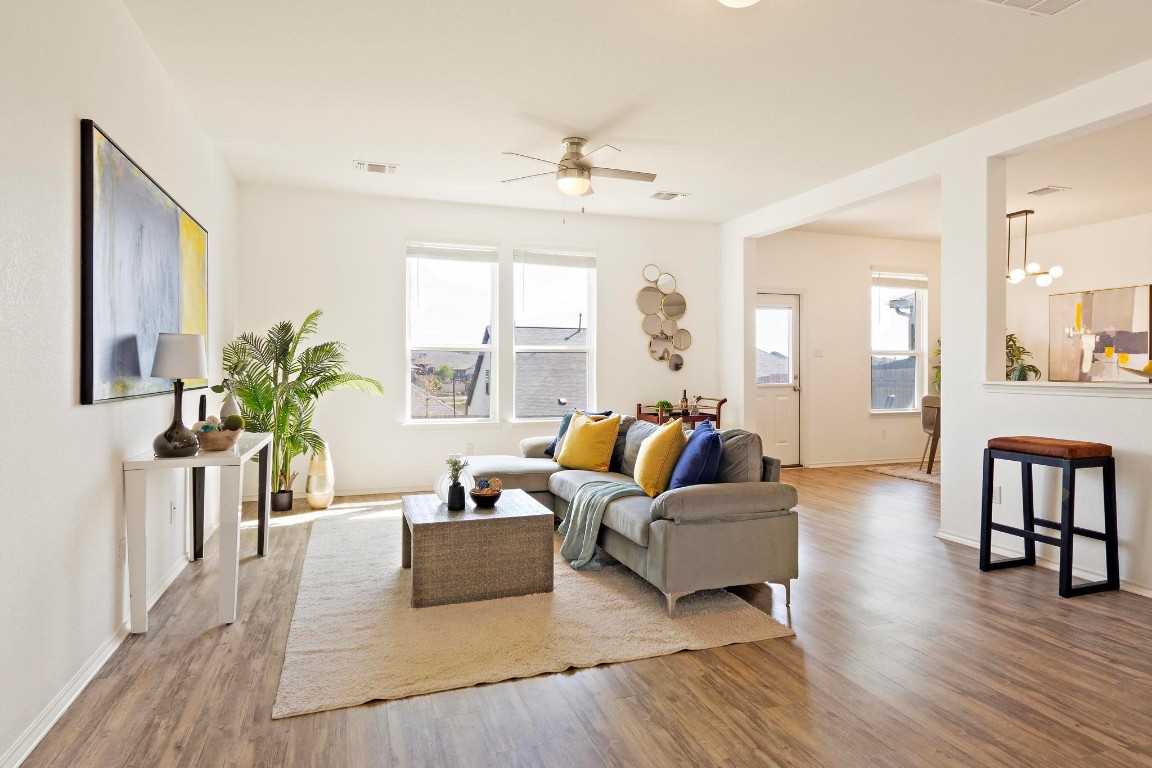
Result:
<point x="614" y="173"/>
<point x="599" y="155"/>
<point x="520" y="178"/>
<point x="537" y="159"/>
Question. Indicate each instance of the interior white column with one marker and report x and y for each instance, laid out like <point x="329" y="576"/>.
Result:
<point x="737" y="302"/>
<point x="972" y="252"/>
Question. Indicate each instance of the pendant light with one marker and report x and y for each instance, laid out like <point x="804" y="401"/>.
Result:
<point x="1043" y="277"/>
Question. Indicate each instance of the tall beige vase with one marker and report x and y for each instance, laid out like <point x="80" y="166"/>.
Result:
<point x="321" y="487"/>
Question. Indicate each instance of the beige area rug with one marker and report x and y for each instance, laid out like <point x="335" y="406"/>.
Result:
<point x="355" y="638"/>
<point x="909" y="472"/>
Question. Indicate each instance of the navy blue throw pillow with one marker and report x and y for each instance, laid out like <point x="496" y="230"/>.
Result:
<point x="565" y="421"/>
<point x="700" y="459"/>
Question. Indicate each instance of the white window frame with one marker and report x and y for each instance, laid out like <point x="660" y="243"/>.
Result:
<point x="563" y="259"/>
<point x="488" y="254"/>
<point x="887" y="277"/>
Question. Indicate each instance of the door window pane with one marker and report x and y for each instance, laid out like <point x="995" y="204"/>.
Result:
<point x="773" y="345"/>
<point x="550" y="383"/>
<point x="893" y="382"/>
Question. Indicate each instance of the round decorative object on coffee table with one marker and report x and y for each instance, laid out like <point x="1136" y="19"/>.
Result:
<point x="484" y="500"/>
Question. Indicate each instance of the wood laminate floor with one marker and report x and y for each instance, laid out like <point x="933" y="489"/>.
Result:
<point x="904" y="655"/>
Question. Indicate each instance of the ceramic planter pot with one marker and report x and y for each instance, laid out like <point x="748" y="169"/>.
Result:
<point x="281" y="501"/>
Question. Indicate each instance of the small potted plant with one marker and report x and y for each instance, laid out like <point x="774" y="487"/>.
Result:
<point x="663" y="408"/>
<point x="456" y="465"/>
<point x="229" y="407"/>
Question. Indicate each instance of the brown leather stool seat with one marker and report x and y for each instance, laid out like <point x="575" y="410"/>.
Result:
<point x="1069" y="456"/>
<point x="1050" y="446"/>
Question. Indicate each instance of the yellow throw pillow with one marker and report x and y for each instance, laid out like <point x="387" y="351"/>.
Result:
<point x="658" y="456"/>
<point x="560" y="440"/>
<point x="588" y="443"/>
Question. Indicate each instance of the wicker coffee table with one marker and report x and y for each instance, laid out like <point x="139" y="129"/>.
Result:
<point x="476" y="554"/>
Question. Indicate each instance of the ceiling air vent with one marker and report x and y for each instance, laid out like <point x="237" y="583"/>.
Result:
<point x="367" y="167"/>
<point x="669" y="195"/>
<point x="1036" y="7"/>
<point x="1049" y="190"/>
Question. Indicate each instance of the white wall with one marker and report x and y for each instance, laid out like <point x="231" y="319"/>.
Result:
<point x="834" y="275"/>
<point x="63" y="595"/>
<point x="1112" y="254"/>
<point x="971" y="168"/>
<point x="345" y="253"/>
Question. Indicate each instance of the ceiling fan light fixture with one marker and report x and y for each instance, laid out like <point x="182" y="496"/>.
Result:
<point x="573" y="181"/>
<point x="738" y="3"/>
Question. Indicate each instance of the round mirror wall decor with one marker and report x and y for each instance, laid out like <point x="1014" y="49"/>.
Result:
<point x="649" y="300"/>
<point x="674" y="306"/>
<point x="663" y="306"/>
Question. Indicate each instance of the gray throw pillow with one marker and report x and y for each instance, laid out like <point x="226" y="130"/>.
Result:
<point x="626" y="423"/>
<point x="636" y="434"/>
<point x="740" y="462"/>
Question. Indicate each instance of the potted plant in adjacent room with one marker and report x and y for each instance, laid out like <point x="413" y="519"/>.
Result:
<point x="1015" y="367"/>
<point x="278" y="384"/>
<point x="663" y="408"/>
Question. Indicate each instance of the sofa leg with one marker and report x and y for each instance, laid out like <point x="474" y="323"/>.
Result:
<point x="672" y="598"/>
<point x="788" y="592"/>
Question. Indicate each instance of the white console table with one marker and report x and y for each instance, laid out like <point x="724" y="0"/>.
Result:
<point x="231" y="464"/>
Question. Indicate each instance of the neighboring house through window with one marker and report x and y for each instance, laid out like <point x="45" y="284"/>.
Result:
<point x="554" y="296"/>
<point x="450" y="344"/>
<point x="898" y="315"/>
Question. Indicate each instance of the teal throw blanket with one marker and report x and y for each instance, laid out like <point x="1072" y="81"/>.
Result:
<point x="582" y="523"/>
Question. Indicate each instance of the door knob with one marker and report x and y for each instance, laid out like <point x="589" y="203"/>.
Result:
<point x="796" y="388"/>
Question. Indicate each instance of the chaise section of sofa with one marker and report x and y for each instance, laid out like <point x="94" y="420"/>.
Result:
<point x="742" y="529"/>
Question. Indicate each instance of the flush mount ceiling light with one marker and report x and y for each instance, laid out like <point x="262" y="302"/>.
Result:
<point x="1031" y="268"/>
<point x="576" y="168"/>
<point x="738" y="3"/>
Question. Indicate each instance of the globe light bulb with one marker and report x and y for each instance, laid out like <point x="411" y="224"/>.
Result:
<point x="1056" y="271"/>
<point x="1016" y="275"/>
<point x="573" y="181"/>
<point x="1044" y="280"/>
<point x="1032" y="268"/>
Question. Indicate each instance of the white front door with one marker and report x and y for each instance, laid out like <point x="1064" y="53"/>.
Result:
<point x="778" y="375"/>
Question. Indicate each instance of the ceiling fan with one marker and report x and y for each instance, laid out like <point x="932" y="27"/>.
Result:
<point x="575" y="170"/>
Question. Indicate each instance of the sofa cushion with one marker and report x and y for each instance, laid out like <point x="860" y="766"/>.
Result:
<point x="529" y="475"/>
<point x="565" y="422"/>
<point x="566" y="482"/>
<point x="534" y="447"/>
<point x="588" y="443"/>
<point x="631" y="517"/>
<point x="636" y="434"/>
<point x="658" y="456"/>
<point x="702" y="503"/>
<point x="700" y="460"/>
<point x="626" y="423"/>
<point x="740" y="459"/>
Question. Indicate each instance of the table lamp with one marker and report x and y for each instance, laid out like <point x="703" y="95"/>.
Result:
<point x="179" y="356"/>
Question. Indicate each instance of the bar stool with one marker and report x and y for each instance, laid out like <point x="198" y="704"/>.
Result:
<point x="1069" y="455"/>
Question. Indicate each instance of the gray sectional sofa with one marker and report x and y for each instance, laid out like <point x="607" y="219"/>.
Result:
<point x="739" y="530"/>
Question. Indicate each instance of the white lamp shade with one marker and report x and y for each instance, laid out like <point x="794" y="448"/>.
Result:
<point x="1016" y="275"/>
<point x="180" y="356"/>
<point x="1044" y="280"/>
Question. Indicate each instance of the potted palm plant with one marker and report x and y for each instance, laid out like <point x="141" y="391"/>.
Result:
<point x="278" y="384"/>
<point x="1016" y="367"/>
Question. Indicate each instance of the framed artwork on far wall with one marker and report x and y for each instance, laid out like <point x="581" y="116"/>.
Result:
<point x="1100" y="335"/>
<point x="144" y="272"/>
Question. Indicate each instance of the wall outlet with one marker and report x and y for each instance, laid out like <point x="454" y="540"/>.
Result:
<point x="172" y="513"/>
<point x="996" y="495"/>
<point x="468" y="449"/>
<point x="122" y="549"/>
<point x="818" y="352"/>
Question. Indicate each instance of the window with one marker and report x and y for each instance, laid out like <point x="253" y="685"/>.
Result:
<point x="898" y="316"/>
<point x="553" y="332"/>
<point x="451" y="344"/>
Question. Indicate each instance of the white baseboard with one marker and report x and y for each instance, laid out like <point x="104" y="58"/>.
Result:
<point x="863" y="463"/>
<point x="1049" y="563"/>
<point x="39" y="727"/>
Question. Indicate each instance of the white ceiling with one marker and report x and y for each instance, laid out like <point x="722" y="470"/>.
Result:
<point x="1109" y="174"/>
<point x="740" y="108"/>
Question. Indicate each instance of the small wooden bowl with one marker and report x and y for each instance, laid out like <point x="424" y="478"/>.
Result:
<point x="218" y="440"/>
<point x="484" y="500"/>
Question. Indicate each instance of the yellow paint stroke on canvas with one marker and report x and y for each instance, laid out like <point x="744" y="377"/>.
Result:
<point x="1108" y="352"/>
<point x="1079" y="317"/>
<point x="193" y="279"/>
<point x="1123" y="358"/>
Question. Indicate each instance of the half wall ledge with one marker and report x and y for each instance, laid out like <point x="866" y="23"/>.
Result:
<point x="1070" y="389"/>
